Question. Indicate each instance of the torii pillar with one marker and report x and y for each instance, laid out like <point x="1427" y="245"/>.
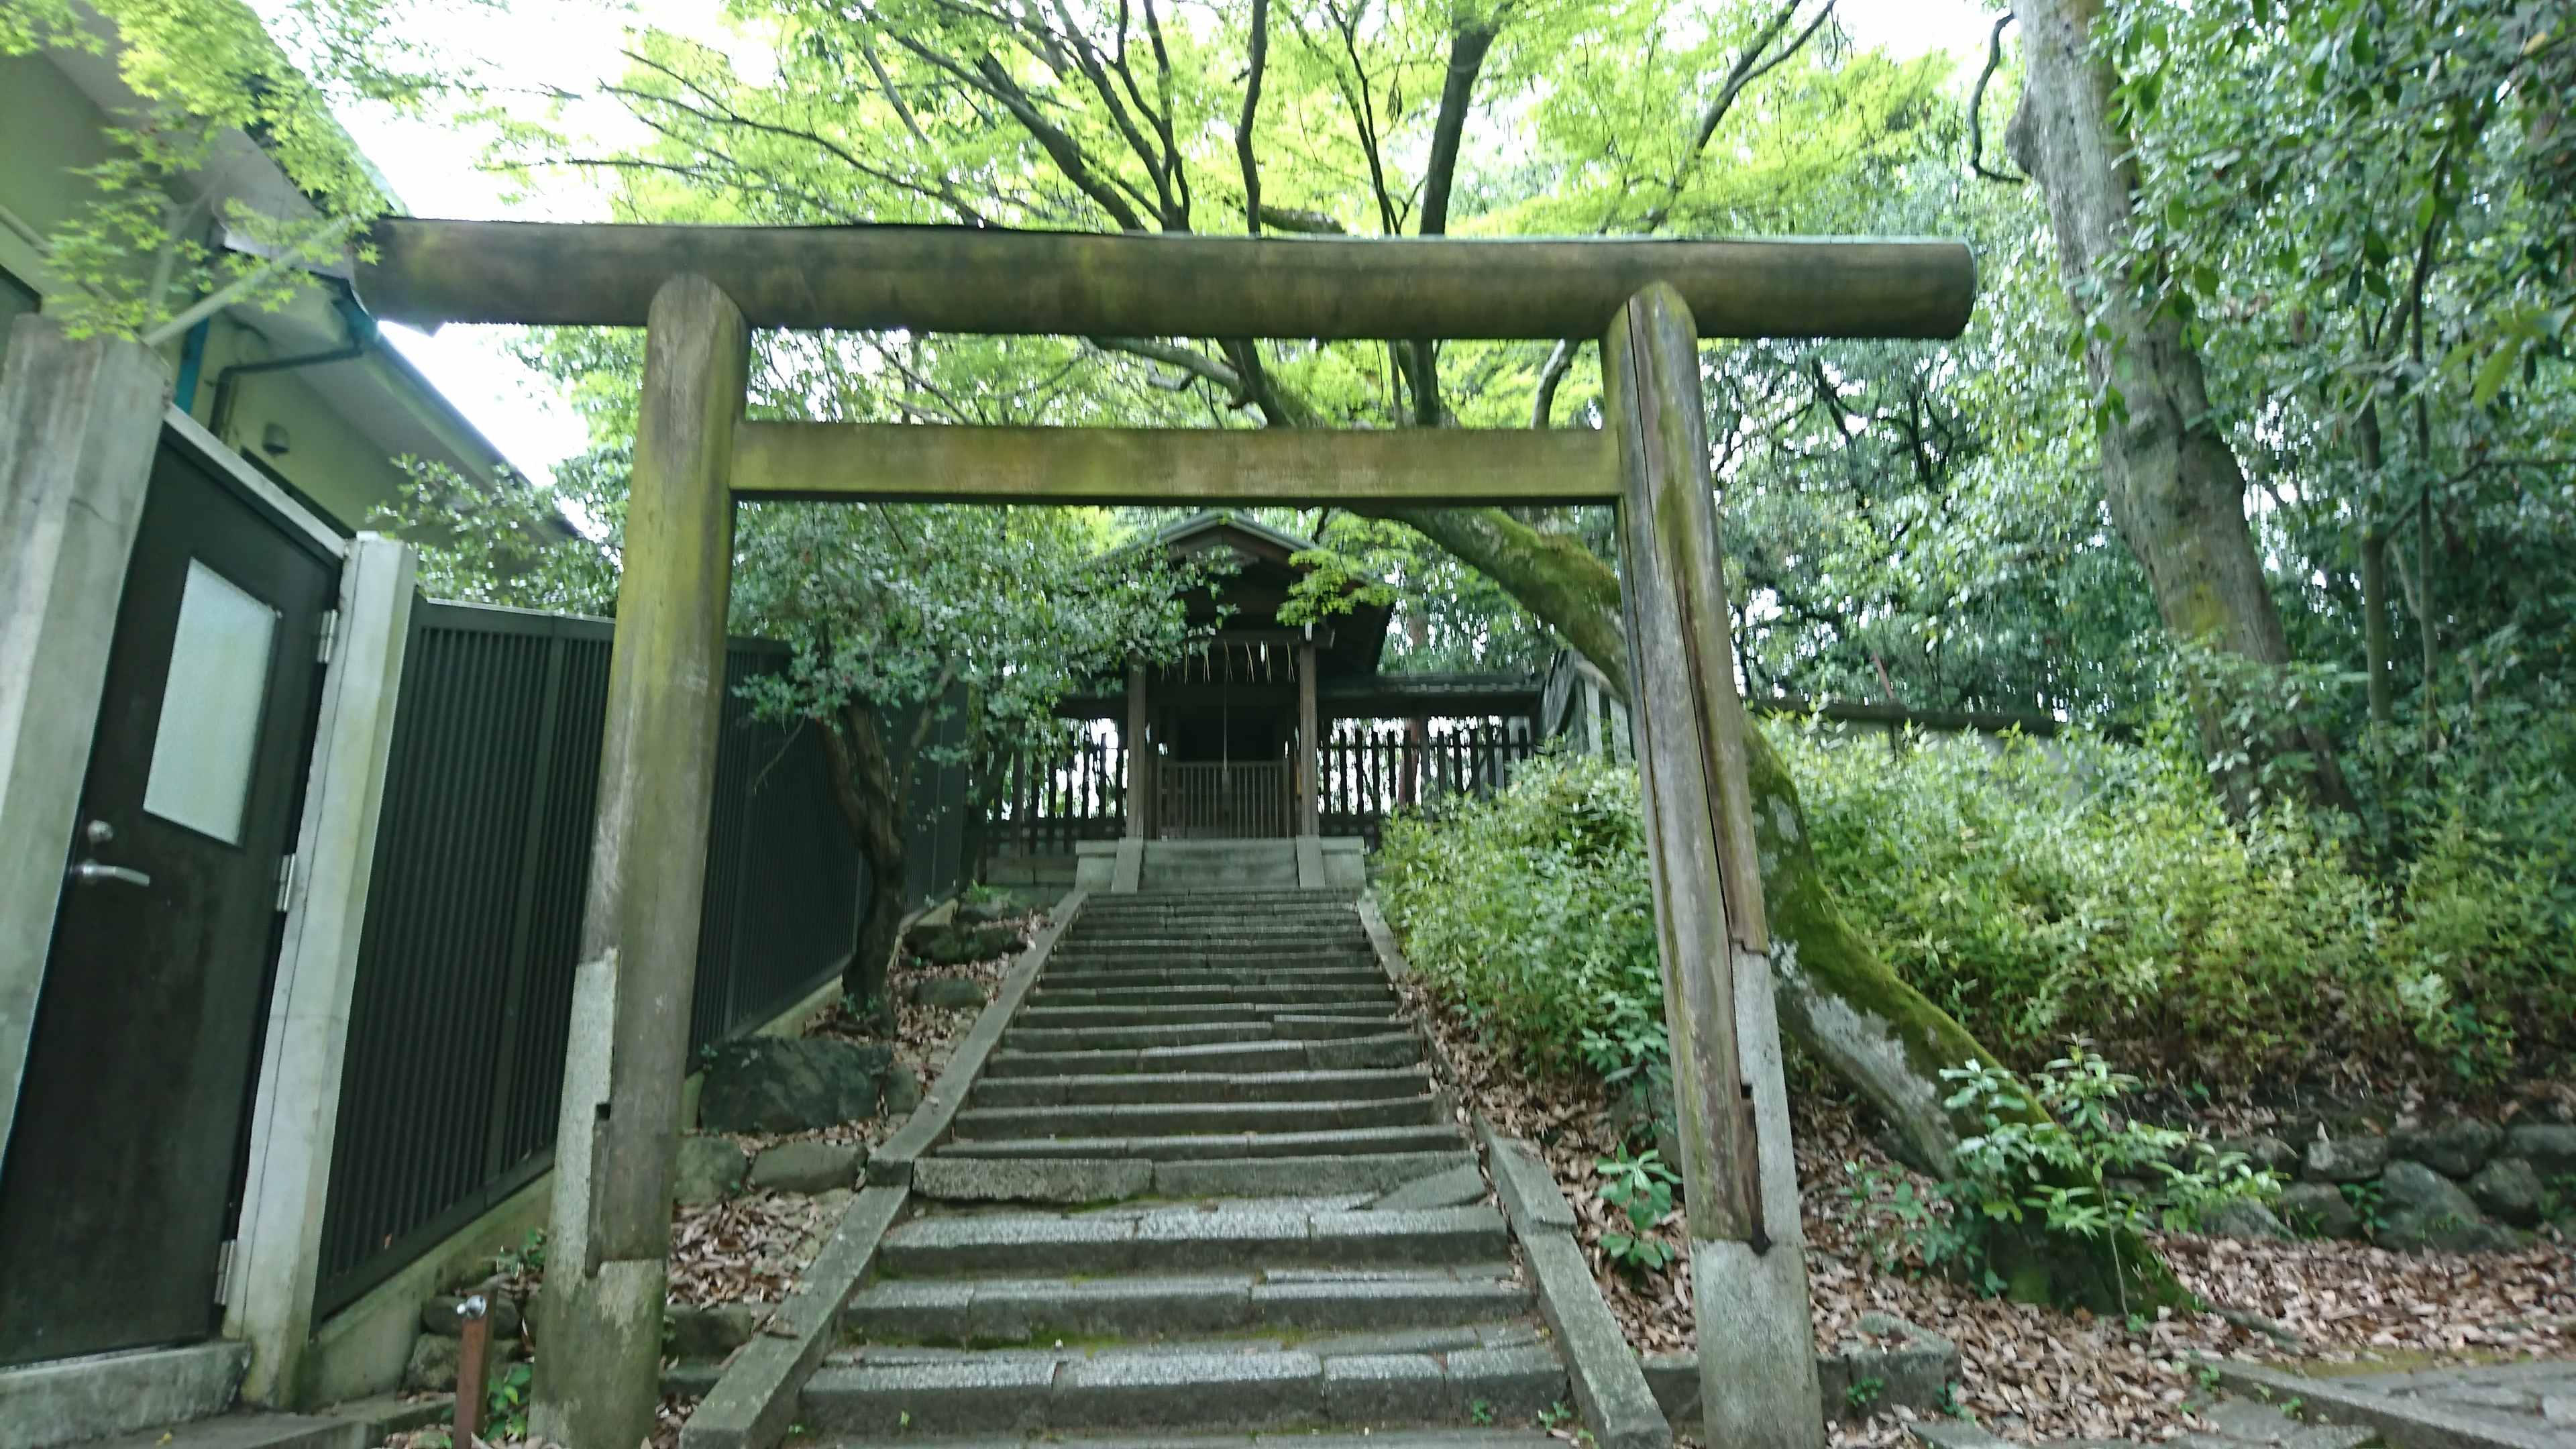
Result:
<point x="608" y="1242"/>
<point x="1757" y="1361"/>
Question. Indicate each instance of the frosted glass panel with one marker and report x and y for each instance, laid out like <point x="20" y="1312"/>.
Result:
<point x="209" y="733"/>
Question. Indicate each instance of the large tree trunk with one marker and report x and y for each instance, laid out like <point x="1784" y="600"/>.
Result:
<point x="864" y="786"/>
<point x="1836" y="996"/>
<point x="2173" y="484"/>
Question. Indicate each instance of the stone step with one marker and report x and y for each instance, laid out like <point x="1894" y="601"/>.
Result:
<point x="1146" y="978"/>
<point x="1200" y="1087"/>
<point x="1189" y="1148"/>
<point x="1260" y="1235"/>
<point x="1220" y="916"/>
<point x="1251" y="907"/>
<point x="1458" y="1437"/>
<point x="1001" y="1311"/>
<point x="1176" y="1119"/>
<point x="1214" y="922"/>
<point x="1388" y="1049"/>
<point x="1250" y="1006"/>
<point x="1282" y="1027"/>
<point x="1228" y="1384"/>
<point x="1208" y="956"/>
<point x="1372" y="989"/>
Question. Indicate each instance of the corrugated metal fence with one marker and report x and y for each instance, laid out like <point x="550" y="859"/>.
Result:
<point x="464" y="986"/>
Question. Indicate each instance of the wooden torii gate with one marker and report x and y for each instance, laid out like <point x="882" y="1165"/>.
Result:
<point x="700" y="290"/>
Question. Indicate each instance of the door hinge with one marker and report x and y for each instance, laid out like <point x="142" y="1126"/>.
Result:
<point x="327" y="635"/>
<point x="285" y="879"/>
<point x="224" y="1273"/>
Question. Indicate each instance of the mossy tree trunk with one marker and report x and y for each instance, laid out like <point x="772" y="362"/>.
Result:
<point x="2172" y="480"/>
<point x="1836" y="996"/>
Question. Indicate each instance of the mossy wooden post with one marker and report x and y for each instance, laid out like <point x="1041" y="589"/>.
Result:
<point x="598" y="1377"/>
<point x="1748" y="1268"/>
<point x="1139" y="784"/>
<point x="1310" y="746"/>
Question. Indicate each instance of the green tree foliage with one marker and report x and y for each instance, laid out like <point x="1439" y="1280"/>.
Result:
<point x="2360" y="211"/>
<point x="214" y="80"/>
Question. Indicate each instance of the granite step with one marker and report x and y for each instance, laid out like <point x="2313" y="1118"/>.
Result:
<point x="1172" y="1119"/>
<point x="1286" y="1026"/>
<point x="1189" y="1148"/>
<point x="1219" y="988"/>
<point x="1386" y="1049"/>
<point x="1459" y="1437"/>
<point x="1200" y="1087"/>
<point x="1215" y="1384"/>
<point x="1200" y="978"/>
<point x="1007" y="1311"/>
<point x="1262" y="1235"/>
<point x="1247" y="1007"/>
<point x="1208" y="956"/>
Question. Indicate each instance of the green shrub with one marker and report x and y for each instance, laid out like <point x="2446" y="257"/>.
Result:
<point x="1531" y="911"/>
<point x="2092" y="889"/>
<point x="2081" y="889"/>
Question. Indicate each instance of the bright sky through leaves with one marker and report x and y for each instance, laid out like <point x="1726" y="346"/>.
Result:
<point x="571" y="46"/>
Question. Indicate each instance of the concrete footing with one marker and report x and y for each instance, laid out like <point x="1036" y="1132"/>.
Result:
<point x="69" y="1400"/>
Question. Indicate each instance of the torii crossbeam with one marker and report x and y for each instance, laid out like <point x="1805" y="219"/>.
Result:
<point x="700" y="290"/>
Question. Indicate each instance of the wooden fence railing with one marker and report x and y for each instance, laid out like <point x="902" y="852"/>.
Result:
<point x="1367" y="775"/>
<point x="1203" y="800"/>
<point x="1049" y="803"/>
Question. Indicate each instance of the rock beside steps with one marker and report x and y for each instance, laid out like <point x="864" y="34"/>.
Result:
<point x="1302" y="1244"/>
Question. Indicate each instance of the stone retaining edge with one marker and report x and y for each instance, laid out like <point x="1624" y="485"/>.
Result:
<point x="891" y="1164"/>
<point x="2400" y="1425"/>
<point x="1609" y="1383"/>
<point x="752" y="1406"/>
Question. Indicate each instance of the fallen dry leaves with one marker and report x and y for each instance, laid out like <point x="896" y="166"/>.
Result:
<point x="748" y="1249"/>
<point x="2029" y="1372"/>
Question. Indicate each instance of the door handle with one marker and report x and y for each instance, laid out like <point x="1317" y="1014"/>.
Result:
<point x="90" y="872"/>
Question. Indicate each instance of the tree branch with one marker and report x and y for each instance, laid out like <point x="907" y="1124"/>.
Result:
<point x="1749" y="67"/>
<point x="1470" y="40"/>
<point x="1976" y="104"/>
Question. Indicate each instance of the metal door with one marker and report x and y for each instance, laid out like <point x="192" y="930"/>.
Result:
<point x="122" y="1174"/>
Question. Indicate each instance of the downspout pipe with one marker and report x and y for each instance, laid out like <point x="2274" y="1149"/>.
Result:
<point x="362" y="335"/>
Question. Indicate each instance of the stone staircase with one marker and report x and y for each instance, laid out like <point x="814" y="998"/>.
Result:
<point x="1301" y="1240"/>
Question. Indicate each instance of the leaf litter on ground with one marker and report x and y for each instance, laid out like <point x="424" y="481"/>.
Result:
<point x="2027" y="1372"/>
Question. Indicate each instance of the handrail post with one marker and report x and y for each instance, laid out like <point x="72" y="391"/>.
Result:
<point x="1748" y="1267"/>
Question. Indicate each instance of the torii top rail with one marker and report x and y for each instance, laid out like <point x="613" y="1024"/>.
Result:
<point x="700" y="290"/>
<point x="949" y="279"/>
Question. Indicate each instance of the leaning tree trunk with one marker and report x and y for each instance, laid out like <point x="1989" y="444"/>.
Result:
<point x="2173" y="483"/>
<point x="1836" y="996"/>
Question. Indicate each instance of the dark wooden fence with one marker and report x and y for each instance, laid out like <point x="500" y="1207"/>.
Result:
<point x="1370" y="769"/>
<point x="464" y="983"/>
<point x="1051" y="801"/>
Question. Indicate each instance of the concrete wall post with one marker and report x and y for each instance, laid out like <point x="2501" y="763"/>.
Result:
<point x="79" y="423"/>
<point x="277" y="1256"/>
<point x="1748" y="1268"/>
<point x="608" y="1247"/>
